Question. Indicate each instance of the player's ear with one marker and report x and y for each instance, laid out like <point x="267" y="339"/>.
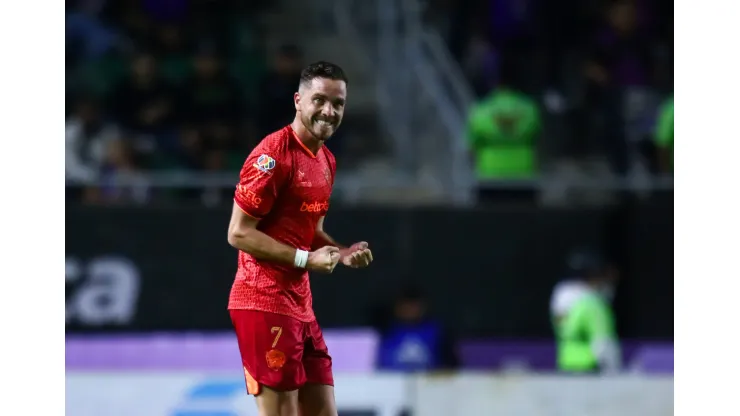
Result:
<point x="296" y="101"/>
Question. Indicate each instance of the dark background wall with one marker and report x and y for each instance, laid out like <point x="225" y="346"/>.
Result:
<point x="486" y="271"/>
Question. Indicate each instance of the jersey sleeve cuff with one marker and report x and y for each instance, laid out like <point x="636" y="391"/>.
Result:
<point x="242" y="206"/>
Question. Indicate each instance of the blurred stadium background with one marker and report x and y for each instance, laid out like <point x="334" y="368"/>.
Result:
<point x="484" y="140"/>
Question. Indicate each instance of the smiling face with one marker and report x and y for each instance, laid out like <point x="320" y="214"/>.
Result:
<point x="320" y="104"/>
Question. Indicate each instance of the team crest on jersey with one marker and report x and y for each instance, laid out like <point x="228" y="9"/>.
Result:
<point x="264" y="164"/>
<point x="275" y="359"/>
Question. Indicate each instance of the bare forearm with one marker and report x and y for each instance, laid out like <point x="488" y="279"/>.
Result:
<point x="262" y="246"/>
<point x="321" y="239"/>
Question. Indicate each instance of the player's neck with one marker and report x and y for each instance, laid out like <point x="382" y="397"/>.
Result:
<point x="312" y="143"/>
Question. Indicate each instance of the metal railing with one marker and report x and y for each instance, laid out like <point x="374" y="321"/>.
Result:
<point x="348" y="184"/>
<point x="368" y="27"/>
<point x="451" y="97"/>
<point x="423" y="97"/>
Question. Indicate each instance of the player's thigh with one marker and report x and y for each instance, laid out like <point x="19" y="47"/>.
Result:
<point x="317" y="400"/>
<point x="277" y="403"/>
<point x="271" y="348"/>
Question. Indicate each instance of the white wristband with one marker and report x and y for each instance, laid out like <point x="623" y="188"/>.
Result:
<point x="301" y="258"/>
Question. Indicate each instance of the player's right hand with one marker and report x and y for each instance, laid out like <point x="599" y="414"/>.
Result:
<point x="323" y="260"/>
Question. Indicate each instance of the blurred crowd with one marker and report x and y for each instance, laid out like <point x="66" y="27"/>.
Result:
<point x="168" y="86"/>
<point x="188" y="85"/>
<point x="576" y="79"/>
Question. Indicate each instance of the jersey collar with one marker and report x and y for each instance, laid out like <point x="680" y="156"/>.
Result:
<point x="298" y="139"/>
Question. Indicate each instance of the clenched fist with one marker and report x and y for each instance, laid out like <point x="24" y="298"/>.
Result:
<point x="323" y="260"/>
<point x="358" y="255"/>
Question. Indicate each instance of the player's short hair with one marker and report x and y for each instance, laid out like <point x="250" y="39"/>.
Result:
<point x="322" y="69"/>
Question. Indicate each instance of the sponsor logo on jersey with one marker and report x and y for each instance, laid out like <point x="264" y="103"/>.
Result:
<point x="315" y="207"/>
<point x="247" y="195"/>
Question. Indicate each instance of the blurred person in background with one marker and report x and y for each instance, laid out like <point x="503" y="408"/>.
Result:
<point x="213" y="100"/>
<point x="144" y="102"/>
<point x="411" y="340"/>
<point x="583" y="317"/>
<point x="86" y="33"/>
<point x="620" y="54"/>
<point x="480" y="63"/>
<point x="279" y="82"/>
<point x="503" y="128"/>
<point x="87" y="138"/>
<point x="163" y="12"/>
<point x="87" y="134"/>
<point x="664" y="137"/>
<point x="120" y="162"/>
<point x="172" y="46"/>
<point x="210" y="93"/>
<point x="618" y="60"/>
<point x="187" y="154"/>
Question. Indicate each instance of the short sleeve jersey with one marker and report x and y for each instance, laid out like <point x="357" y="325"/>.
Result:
<point x="286" y="187"/>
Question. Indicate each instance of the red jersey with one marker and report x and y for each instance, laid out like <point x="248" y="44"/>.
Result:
<point x="287" y="187"/>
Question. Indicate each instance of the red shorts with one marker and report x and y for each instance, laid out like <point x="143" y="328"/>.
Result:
<point x="280" y="352"/>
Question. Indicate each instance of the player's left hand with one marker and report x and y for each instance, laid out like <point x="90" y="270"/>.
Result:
<point x="356" y="256"/>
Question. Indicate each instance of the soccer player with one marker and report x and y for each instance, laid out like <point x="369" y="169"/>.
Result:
<point x="277" y="223"/>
